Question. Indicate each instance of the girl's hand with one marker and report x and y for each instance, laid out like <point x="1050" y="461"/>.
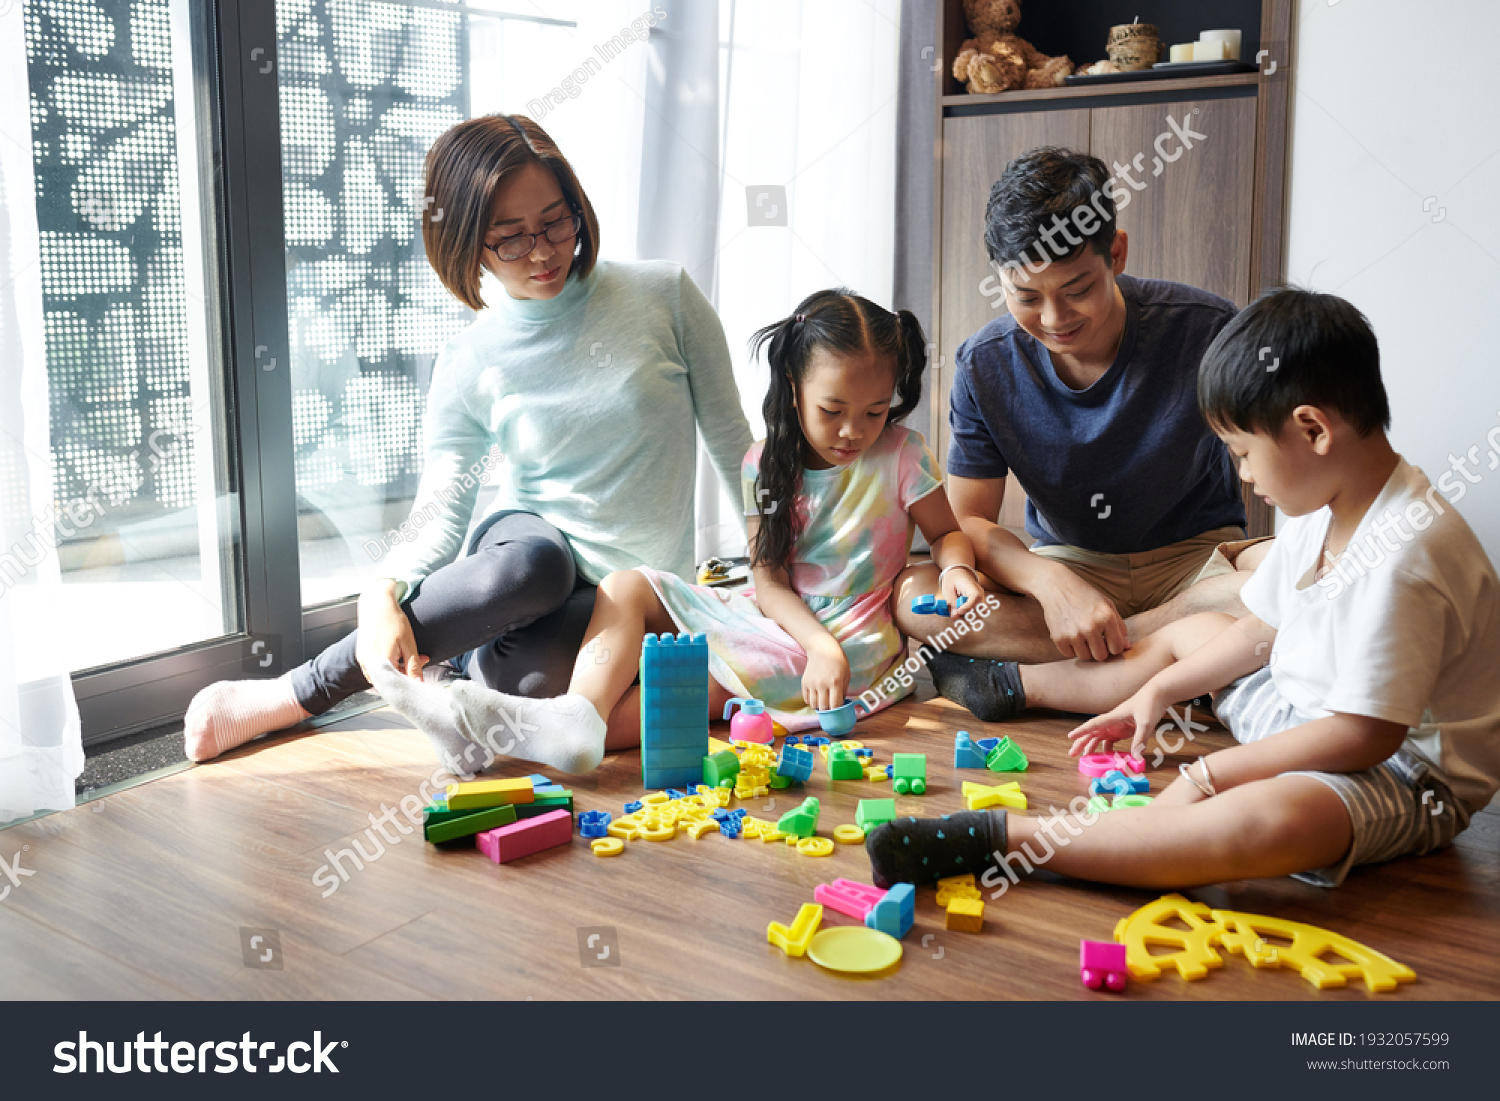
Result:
<point x="962" y="583"/>
<point x="385" y="635"/>
<point x="826" y="678"/>
<point x="1133" y="719"/>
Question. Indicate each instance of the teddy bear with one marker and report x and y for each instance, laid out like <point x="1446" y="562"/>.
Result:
<point x="995" y="60"/>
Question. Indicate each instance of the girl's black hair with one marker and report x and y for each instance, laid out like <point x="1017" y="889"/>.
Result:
<point x="843" y="323"/>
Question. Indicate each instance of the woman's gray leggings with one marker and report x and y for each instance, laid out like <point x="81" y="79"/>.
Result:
<point x="513" y="610"/>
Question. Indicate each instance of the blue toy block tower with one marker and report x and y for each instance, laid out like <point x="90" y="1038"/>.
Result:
<point x="674" y="710"/>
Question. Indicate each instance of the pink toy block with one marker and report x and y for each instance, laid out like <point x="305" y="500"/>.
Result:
<point x="1097" y="764"/>
<point x="1101" y="963"/>
<point x="527" y="836"/>
<point x="848" y="897"/>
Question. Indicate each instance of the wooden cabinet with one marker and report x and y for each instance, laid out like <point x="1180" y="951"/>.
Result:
<point x="1204" y="210"/>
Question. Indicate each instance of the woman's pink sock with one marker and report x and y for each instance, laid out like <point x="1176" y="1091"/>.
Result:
<point x="231" y="712"/>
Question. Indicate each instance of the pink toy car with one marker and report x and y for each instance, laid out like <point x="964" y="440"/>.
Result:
<point x="1101" y="965"/>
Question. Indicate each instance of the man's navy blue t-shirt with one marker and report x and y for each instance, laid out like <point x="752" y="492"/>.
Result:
<point x="1126" y="465"/>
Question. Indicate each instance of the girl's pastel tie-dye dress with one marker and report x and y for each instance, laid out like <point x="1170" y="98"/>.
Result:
<point x="854" y="537"/>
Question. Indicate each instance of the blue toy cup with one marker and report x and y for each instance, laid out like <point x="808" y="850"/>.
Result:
<point x="838" y="721"/>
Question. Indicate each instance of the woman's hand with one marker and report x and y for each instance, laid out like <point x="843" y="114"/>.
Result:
<point x="826" y="678"/>
<point x="962" y="583"/>
<point x="1133" y="719"/>
<point x="385" y="633"/>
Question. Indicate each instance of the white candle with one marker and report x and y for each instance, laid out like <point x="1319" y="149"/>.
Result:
<point x="1213" y="49"/>
<point x="1232" y="37"/>
<point x="1183" y="51"/>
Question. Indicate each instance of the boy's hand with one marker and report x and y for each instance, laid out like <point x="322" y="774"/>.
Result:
<point x="826" y="678"/>
<point x="962" y="583"/>
<point x="1082" y="621"/>
<point x="1133" y="719"/>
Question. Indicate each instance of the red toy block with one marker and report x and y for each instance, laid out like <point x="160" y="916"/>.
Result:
<point x="1101" y="963"/>
<point x="528" y="836"/>
<point x="848" y="897"/>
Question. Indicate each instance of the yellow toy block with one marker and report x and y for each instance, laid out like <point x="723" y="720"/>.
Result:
<point x="815" y="846"/>
<point x="775" y="835"/>
<point x="655" y="798"/>
<point x="608" y="846"/>
<point x="664" y="832"/>
<point x="957" y="886"/>
<point x="625" y="831"/>
<point x="1309" y="951"/>
<point x="848" y="834"/>
<point x="716" y="746"/>
<point x="793" y="941"/>
<point x="876" y="774"/>
<point x="489" y="793"/>
<point x="1194" y="954"/>
<point x="698" y="829"/>
<point x="981" y="796"/>
<point x="966" y="915"/>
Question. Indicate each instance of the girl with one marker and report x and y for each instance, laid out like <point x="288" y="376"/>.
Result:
<point x="830" y="496"/>
<point x="590" y="377"/>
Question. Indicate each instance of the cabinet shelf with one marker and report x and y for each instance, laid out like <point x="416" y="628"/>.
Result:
<point x="1105" y="91"/>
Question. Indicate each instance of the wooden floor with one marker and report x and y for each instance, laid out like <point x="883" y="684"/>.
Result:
<point x="144" y="894"/>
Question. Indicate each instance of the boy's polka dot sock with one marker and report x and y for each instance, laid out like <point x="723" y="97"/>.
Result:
<point x="920" y="850"/>
<point x="990" y="689"/>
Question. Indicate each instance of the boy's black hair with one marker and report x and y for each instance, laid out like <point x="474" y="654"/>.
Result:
<point x="1038" y="190"/>
<point x="844" y="323"/>
<point x="1293" y="347"/>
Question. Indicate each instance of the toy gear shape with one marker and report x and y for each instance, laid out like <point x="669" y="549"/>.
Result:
<point x="1247" y="935"/>
<point x="1194" y="955"/>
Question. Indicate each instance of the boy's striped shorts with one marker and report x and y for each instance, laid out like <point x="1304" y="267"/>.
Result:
<point x="1390" y="811"/>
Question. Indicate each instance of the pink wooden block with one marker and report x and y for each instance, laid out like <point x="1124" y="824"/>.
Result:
<point x="1097" y="764"/>
<point x="848" y="897"/>
<point x="1101" y="963"/>
<point x="530" y="835"/>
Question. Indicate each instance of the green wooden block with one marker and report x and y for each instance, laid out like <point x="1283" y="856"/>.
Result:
<point x="542" y="806"/>
<point x="874" y="812"/>
<point x="909" y="773"/>
<point x="720" y="766"/>
<point x="1006" y="757"/>
<point x="447" y="825"/>
<point x="844" y="765"/>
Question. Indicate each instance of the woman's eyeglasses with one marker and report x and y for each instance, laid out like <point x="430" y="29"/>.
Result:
<point x="521" y="245"/>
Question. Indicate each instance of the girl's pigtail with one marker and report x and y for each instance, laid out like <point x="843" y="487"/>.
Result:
<point x="780" y="475"/>
<point x="911" y="363"/>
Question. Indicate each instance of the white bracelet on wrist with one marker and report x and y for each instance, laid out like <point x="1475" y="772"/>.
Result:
<point x="957" y="566"/>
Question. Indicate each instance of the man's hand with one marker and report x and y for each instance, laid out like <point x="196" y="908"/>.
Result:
<point x="826" y="678"/>
<point x="1082" y="621"/>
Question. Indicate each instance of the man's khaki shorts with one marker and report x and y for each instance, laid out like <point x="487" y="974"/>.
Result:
<point x="1138" y="582"/>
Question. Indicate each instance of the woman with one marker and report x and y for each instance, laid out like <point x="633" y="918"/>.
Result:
<point x="589" y="377"/>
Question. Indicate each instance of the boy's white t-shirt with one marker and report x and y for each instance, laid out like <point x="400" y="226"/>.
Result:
<point x="1405" y="628"/>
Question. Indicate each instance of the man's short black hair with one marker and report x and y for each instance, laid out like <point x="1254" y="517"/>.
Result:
<point x="1030" y="216"/>
<point x="1293" y="347"/>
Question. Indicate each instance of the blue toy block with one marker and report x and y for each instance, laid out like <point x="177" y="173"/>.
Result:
<point x="795" y="763"/>
<point x="987" y="744"/>
<point x="929" y="605"/>
<point x="864" y="753"/>
<point x="791" y="739"/>
<point x="673" y="793"/>
<point x="547" y="790"/>
<point x="594" y="823"/>
<point x="896" y="913"/>
<point x="720" y="814"/>
<point x="633" y="806"/>
<point x="539" y="781"/>
<point x="730" y="827"/>
<point x="739" y="812"/>
<point x="965" y="753"/>
<point x="1115" y="782"/>
<point x="674" y="710"/>
<point x="820" y="740"/>
<point x="889" y="771"/>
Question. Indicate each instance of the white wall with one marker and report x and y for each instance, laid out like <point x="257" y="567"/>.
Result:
<point x="1395" y="173"/>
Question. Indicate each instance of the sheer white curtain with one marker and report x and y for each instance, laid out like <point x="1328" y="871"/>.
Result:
<point x="41" y="750"/>
<point x="686" y="141"/>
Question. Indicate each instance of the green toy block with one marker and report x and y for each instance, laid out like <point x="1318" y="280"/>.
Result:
<point x="720" y="766"/>
<point x="1132" y="801"/>
<point x="777" y="781"/>
<point x="1098" y="805"/>
<point x="874" y="812"/>
<point x="448" y="825"/>
<point x="909" y="773"/>
<point x="545" y="804"/>
<point x="844" y="765"/>
<point x="800" y="821"/>
<point x="1006" y="757"/>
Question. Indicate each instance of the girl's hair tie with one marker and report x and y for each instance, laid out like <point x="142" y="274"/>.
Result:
<point x="799" y="318"/>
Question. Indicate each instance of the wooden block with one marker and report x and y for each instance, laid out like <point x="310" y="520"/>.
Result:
<point x="448" y="825"/>
<point x="489" y="793"/>
<point x="545" y="804"/>
<point x="527" y="836"/>
<point x="966" y="915"/>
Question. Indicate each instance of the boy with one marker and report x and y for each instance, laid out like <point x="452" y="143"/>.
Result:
<point x="1361" y="685"/>
<point x="1084" y="391"/>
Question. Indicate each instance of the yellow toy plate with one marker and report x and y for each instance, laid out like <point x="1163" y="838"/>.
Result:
<point x="854" y="949"/>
